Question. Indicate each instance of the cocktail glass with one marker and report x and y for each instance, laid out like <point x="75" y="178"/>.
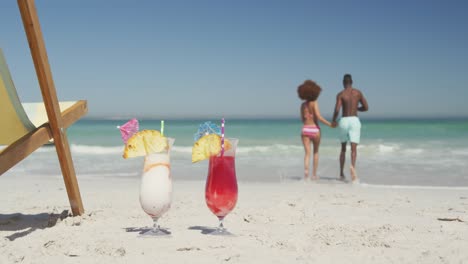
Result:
<point x="221" y="186"/>
<point x="156" y="188"/>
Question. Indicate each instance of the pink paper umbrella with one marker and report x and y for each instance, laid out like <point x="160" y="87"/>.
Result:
<point x="128" y="129"/>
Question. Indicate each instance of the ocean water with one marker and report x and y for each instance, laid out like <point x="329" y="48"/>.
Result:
<point x="392" y="152"/>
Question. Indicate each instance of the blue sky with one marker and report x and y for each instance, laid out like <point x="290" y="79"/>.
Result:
<point x="185" y="59"/>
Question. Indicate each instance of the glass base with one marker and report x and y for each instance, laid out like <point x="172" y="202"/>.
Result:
<point x="155" y="233"/>
<point x="221" y="232"/>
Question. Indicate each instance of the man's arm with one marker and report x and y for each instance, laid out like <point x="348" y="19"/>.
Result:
<point x="364" y="106"/>
<point x="337" y="107"/>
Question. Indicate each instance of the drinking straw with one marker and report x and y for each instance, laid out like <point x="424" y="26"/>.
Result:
<point x="222" y="136"/>
<point x="162" y="127"/>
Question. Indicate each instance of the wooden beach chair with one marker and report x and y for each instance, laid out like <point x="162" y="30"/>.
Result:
<point x="26" y="127"/>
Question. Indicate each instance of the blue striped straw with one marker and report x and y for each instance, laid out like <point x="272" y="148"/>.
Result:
<point x="222" y="136"/>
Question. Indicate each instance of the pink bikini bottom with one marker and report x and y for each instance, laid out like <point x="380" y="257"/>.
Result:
<point x="310" y="131"/>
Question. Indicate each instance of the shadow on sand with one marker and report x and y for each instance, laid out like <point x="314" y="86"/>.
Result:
<point x="204" y="229"/>
<point x="25" y="224"/>
<point x="332" y="180"/>
<point x="141" y="230"/>
<point x="321" y="179"/>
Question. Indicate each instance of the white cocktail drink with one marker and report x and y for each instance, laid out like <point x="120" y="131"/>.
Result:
<point x="156" y="187"/>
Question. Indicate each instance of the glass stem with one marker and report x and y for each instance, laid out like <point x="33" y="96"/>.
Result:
<point x="155" y="224"/>
<point x="221" y="226"/>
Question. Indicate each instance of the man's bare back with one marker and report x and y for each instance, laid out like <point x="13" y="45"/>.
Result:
<point x="349" y="102"/>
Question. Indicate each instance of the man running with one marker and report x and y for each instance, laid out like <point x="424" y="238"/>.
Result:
<point x="350" y="101"/>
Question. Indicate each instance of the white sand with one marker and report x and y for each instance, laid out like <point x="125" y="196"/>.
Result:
<point x="287" y="222"/>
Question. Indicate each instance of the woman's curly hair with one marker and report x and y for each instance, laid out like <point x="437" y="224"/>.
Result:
<point x="309" y="90"/>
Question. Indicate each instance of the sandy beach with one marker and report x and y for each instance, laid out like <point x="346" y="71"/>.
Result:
<point x="387" y="76"/>
<point x="325" y="222"/>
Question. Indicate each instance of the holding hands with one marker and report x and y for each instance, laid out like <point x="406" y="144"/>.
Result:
<point x="333" y="124"/>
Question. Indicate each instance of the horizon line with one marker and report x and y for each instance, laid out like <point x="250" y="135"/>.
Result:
<point x="370" y="118"/>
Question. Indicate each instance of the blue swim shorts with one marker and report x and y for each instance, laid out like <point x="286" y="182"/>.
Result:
<point x="350" y="129"/>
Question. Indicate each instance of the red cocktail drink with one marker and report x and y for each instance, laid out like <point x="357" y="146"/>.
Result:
<point x="221" y="185"/>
